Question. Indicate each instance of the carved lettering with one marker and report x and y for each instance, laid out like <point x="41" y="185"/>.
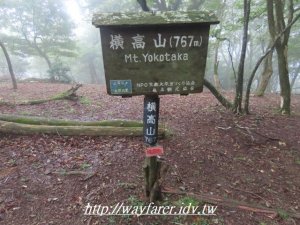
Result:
<point x="165" y="57"/>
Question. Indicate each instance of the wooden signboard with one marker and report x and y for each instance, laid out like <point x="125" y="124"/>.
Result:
<point x="154" y="53"/>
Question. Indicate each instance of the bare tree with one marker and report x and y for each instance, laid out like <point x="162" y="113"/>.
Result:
<point x="143" y="4"/>
<point x="237" y="106"/>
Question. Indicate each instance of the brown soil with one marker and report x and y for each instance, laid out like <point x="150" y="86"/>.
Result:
<point x="253" y="159"/>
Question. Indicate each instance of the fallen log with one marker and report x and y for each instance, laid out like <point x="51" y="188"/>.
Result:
<point x="59" y="122"/>
<point x="29" y="129"/>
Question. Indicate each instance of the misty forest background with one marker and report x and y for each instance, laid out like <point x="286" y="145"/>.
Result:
<point x="54" y="41"/>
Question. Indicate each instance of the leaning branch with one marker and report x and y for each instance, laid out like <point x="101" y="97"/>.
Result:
<point x="213" y="90"/>
<point x="217" y="94"/>
<point x="10" y="68"/>
<point x="231" y="59"/>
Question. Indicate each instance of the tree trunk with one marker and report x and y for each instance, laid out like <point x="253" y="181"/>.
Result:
<point x="247" y="95"/>
<point x="143" y="4"/>
<point x="270" y="50"/>
<point x="276" y="22"/>
<point x="43" y="55"/>
<point x="227" y="104"/>
<point x="295" y="77"/>
<point x="240" y="76"/>
<point x="162" y="6"/>
<point x="216" y="66"/>
<point x="217" y="94"/>
<point x="265" y="75"/>
<point x="93" y="72"/>
<point x="285" y="88"/>
<point x="10" y="68"/>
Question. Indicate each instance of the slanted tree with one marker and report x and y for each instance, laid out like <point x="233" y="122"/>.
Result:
<point x="265" y="74"/>
<point x="10" y="67"/>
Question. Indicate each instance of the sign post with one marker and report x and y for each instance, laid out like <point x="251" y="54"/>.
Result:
<point x="151" y="164"/>
<point x="152" y="54"/>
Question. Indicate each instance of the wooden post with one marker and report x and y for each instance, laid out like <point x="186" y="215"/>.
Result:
<point x="145" y="59"/>
<point x="152" y="165"/>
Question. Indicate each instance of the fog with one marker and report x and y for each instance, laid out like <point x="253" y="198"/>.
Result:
<point x="59" y="35"/>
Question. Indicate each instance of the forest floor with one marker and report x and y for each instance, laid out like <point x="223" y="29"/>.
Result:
<point x="253" y="159"/>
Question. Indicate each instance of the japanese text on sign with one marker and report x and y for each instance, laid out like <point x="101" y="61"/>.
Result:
<point x="137" y="42"/>
<point x="175" y="41"/>
<point x="151" y="122"/>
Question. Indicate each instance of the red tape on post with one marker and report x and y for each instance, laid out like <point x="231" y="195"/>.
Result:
<point x="154" y="151"/>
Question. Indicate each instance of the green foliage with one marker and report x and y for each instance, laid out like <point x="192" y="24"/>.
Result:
<point x="88" y="64"/>
<point x="283" y="214"/>
<point x="186" y="201"/>
<point x="258" y="10"/>
<point x="212" y="4"/>
<point x="134" y="201"/>
<point x="85" y="166"/>
<point x="35" y="27"/>
<point x="111" y="5"/>
<point x="85" y="100"/>
<point x="59" y="73"/>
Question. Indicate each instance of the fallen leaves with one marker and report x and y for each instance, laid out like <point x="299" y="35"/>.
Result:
<point x="209" y="151"/>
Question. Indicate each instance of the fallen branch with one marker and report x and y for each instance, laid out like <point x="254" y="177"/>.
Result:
<point x="247" y="129"/>
<point x="251" y="193"/>
<point x="232" y="203"/>
<point x="239" y="127"/>
<point x="87" y="175"/>
<point x="250" y="132"/>
<point x="73" y="172"/>
<point x="224" y="128"/>
<point x="267" y="137"/>
<point x="68" y="95"/>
